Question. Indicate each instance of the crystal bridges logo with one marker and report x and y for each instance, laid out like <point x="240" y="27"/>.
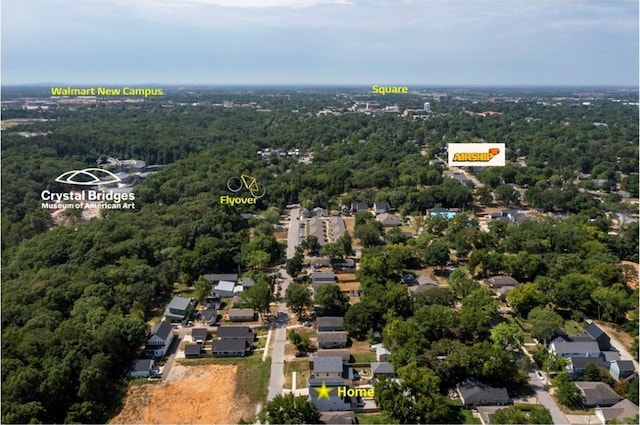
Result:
<point x="96" y="189"/>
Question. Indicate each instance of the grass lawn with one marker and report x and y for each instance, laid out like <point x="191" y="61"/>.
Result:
<point x="364" y="357"/>
<point x="469" y="418"/>
<point x="571" y="327"/>
<point x="360" y="351"/>
<point x="374" y="418"/>
<point x="301" y="367"/>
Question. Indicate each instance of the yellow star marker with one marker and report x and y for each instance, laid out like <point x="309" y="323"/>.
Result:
<point x="323" y="391"/>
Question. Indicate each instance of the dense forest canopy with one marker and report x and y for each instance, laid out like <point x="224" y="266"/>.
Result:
<point x="75" y="299"/>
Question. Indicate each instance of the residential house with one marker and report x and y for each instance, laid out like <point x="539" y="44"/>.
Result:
<point x="562" y="348"/>
<point x="357" y="207"/>
<point x="381" y="207"/>
<point x="597" y="394"/>
<point x="382" y="353"/>
<point x="502" y="281"/>
<point x="346" y="264"/>
<point x="319" y="278"/>
<point x="577" y="365"/>
<point x="217" y="277"/>
<point x="230" y="348"/>
<point x="143" y="368"/>
<point x="340" y="352"/>
<point x="199" y="335"/>
<point x="599" y="336"/>
<point x="336" y="228"/>
<point x="242" y="314"/>
<point x="474" y="392"/>
<point x="381" y="369"/>
<point x="389" y="220"/>
<point x="332" y="339"/>
<point x="193" y="351"/>
<point x="330" y="323"/>
<point x="236" y="332"/>
<point x="178" y="310"/>
<point x="209" y="316"/>
<point x="461" y="178"/>
<point x="325" y="375"/>
<point x="621" y="369"/>
<point x="224" y="289"/>
<point x="316" y="228"/>
<point x="160" y="340"/>
<point x="319" y="262"/>
<point x="620" y="412"/>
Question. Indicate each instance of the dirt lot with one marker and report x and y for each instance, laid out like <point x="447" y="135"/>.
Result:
<point x="204" y="395"/>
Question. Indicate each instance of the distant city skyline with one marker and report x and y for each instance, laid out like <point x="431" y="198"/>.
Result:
<point x="423" y="43"/>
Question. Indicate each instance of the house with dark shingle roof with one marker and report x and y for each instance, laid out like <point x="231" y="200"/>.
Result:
<point x="230" y="348"/>
<point x="236" y="332"/>
<point x="474" y="392"/>
<point x="330" y="323"/>
<point x="241" y="314"/>
<point x="160" y="340"/>
<point x="562" y="348"/>
<point x="502" y="281"/>
<point x="192" y="351"/>
<point x="357" y="207"/>
<point x="199" y="335"/>
<point x="142" y="368"/>
<point x="597" y="394"/>
<point x="381" y="207"/>
<point x="576" y="365"/>
<point x="598" y="335"/>
<point x="379" y="369"/>
<point x="177" y="310"/>
<point x="340" y="352"/>
<point x="621" y="369"/>
<point x="332" y="339"/>
<point x="620" y="411"/>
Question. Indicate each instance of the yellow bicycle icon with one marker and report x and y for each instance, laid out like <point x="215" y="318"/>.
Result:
<point x="235" y="184"/>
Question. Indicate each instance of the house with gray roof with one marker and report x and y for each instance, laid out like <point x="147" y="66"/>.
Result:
<point x="338" y="418"/>
<point x="160" y="340"/>
<point x="224" y="289"/>
<point x="241" y="314"/>
<point x="343" y="353"/>
<point x="502" y="281"/>
<point x="381" y="207"/>
<point x="230" y="348"/>
<point x="473" y="392"/>
<point x="379" y="369"/>
<point x="621" y="369"/>
<point x="332" y="339"/>
<point x="199" y="335"/>
<point x="598" y="335"/>
<point x="143" y="368"/>
<point x="389" y="220"/>
<point x="236" y="332"/>
<point x="330" y="323"/>
<point x="596" y="394"/>
<point x="357" y="207"/>
<point x="576" y="365"/>
<point x="562" y="348"/>
<point x="620" y="412"/>
<point x="177" y="310"/>
<point x="319" y="278"/>
<point x="193" y="351"/>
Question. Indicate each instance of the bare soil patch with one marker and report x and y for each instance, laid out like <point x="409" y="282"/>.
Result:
<point x="202" y="395"/>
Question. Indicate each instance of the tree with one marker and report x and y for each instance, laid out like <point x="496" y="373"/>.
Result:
<point x="591" y="373"/>
<point x="298" y="297"/>
<point x="437" y="295"/>
<point x="566" y="391"/>
<point x="294" y="264"/>
<point x="290" y="409"/>
<point x="437" y="253"/>
<point x="525" y="298"/>
<point x="507" y="195"/>
<point x="258" y="297"/>
<point x="507" y="336"/>
<point x="545" y="323"/>
<point x="368" y="233"/>
<point x="484" y="195"/>
<point x="333" y="250"/>
<point x="612" y="302"/>
<point x="360" y="318"/>
<point x="203" y="288"/>
<point x="509" y="415"/>
<point x="331" y="300"/>
<point x="346" y="242"/>
<point x="311" y="244"/>
<point x="294" y="337"/>
<point x="460" y="284"/>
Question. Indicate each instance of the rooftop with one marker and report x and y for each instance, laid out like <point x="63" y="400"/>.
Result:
<point x="179" y="303"/>
<point x="327" y="364"/>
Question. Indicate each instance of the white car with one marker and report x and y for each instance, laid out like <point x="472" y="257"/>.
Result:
<point x="540" y="375"/>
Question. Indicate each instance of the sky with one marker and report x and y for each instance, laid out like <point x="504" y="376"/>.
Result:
<point x="321" y="42"/>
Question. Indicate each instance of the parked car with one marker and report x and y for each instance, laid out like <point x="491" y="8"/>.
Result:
<point x="301" y="353"/>
<point x="307" y="323"/>
<point x="540" y="375"/>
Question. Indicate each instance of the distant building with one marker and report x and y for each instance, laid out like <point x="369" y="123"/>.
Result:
<point x="473" y="392"/>
<point x="427" y="107"/>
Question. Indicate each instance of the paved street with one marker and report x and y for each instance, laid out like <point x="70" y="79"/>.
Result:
<point x="544" y="398"/>
<point x="294" y="232"/>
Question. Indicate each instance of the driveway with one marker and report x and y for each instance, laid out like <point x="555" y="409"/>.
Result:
<point x="182" y="332"/>
<point x="294" y="231"/>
